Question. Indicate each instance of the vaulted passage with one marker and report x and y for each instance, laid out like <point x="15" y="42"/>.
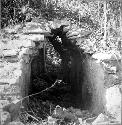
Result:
<point x="57" y="71"/>
<point x="76" y="78"/>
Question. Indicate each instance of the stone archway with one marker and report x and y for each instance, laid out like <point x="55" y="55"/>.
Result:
<point x="84" y="74"/>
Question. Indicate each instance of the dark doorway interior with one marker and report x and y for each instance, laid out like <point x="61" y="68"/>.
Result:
<point x="81" y="78"/>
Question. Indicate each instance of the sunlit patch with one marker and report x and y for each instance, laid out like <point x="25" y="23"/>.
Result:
<point x="113" y="102"/>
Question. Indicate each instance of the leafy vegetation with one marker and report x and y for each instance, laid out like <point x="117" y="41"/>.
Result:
<point x="103" y="18"/>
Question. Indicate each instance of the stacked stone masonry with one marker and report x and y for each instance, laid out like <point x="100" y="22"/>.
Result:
<point x="15" y="59"/>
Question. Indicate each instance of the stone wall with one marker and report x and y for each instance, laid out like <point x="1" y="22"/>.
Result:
<point x="15" y="70"/>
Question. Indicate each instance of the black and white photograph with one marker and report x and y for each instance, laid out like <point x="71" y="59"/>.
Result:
<point x="60" y="62"/>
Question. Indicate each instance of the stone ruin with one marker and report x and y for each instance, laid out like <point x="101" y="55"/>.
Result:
<point x="15" y="71"/>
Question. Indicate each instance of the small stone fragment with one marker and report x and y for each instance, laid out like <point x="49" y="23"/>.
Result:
<point x="51" y="120"/>
<point x="100" y="119"/>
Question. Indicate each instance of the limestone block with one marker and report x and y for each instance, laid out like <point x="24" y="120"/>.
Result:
<point x="33" y="29"/>
<point x="111" y="55"/>
<point x="22" y="52"/>
<point x="10" y="74"/>
<point x="11" y="89"/>
<point x="11" y="93"/>
<point x="111" y="79"/>
<point x="26" y="54"/>
<point x="6" y="72"/>
<point x="27" y="43"/>
<point x="14" y="109"/>
<point x="113" y="102"/>
<point x="16" y="44"/>
<point x="25" y="59"/>
<point x="1" y="65"/>
<point x="17" y="73"/>
<point x="2" y="88"/>
<point x="15" y="123"/>
<point x="36" y="37"/>
<point x="32" y="25"/>
<point x="12" y="44"/>
<point x="104" y="120"/>
<point x="11" y="53"/>
<point x="8" y="80"/>
<point x="51" y="120"/>
<point x="11" y="59"/>
<point x="25" y="51"/>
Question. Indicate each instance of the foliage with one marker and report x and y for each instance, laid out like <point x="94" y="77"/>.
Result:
<point x="89" y="15"/>
<point x="16" y="11"/>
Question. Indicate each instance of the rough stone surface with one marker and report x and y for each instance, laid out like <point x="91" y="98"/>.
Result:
<point x="113" y="102"/>
<point x="15" y="59"/>
<point x="9" y="53"/>
<point x="13" y="109"/>
<point x="113" y="78"/>
<point x="15" y="123"/>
